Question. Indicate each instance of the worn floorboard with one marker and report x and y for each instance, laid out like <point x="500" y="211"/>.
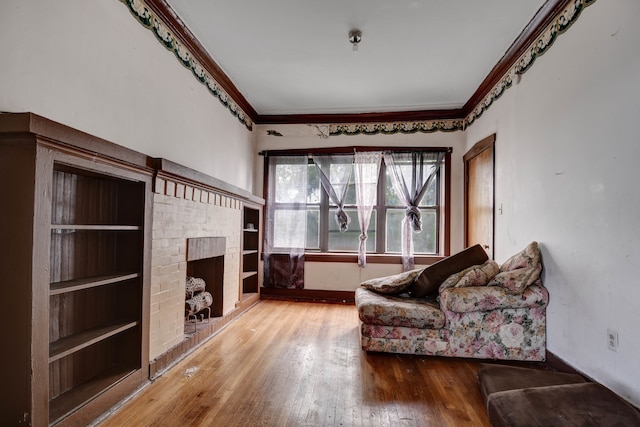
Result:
<point x="300" y="364"/>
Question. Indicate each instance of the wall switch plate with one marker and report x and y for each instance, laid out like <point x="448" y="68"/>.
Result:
<point x="612" y="340"/>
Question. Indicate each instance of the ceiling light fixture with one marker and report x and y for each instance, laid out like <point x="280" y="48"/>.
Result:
<point x="355" y="36"/>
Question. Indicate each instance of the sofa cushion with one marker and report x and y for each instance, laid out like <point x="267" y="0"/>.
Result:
<point x="477" y="275"/>
<point x="493" y="378"/>
<point x="395" y="284"/>
<point x="520" y="271"/>
<point x="376" y="309"/>
<point x="585" y="404"/>
<point x="486" y="298"/>
<point x="429" y="280"/>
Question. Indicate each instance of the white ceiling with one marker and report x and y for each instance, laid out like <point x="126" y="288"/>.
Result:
<point x="294" y="56"/>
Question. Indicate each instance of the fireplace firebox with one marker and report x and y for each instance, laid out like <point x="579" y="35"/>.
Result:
<point x="205" y="260"/>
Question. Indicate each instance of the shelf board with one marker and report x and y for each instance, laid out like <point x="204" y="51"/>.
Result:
<point x="250" y="251"/>
<point x="250" y="230"/>
<point x="68" y="402"/>
<point x="89" y="282"/>
<point x="65" y="346"/>
<point x="246" y="274"/>
<point x="95" y="227"/>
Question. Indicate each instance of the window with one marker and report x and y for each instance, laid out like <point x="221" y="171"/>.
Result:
<point x="384" y="233"/>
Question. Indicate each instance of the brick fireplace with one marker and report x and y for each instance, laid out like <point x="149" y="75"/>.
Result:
<point x="194" y="216"/>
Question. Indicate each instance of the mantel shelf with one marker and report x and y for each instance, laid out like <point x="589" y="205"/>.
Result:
<point x="89" y="282"/>
<point x="65" y="346"/>
<point x="95" y="227"/>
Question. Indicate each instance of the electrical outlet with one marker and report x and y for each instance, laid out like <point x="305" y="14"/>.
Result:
<point x="612" y="340"/>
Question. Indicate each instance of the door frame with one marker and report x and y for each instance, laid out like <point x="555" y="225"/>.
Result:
<point x="479" y="147"/>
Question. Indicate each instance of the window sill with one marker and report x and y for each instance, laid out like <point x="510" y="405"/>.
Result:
<point x="371" y="258"/>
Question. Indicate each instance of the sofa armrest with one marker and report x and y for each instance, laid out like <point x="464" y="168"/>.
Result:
<point x="486" y="298"/>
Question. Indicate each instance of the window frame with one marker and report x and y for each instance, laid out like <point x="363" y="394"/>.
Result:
<point x="443" y="211"/>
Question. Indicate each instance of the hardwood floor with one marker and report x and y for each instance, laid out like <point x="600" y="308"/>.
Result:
<point x="300" y="364"/>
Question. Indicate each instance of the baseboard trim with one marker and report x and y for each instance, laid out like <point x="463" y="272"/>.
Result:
<point x="314" y="295"/>
<point x="558" y="364"/>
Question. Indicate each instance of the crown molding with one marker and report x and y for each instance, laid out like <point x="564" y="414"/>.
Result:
<point x="161" y="19"/>
<point x="551" y="20"/>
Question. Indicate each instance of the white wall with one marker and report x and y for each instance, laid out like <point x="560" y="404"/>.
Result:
<point x="567" y="153"/>
<point x="347" y="276"/>
<point x="90" y="65"/>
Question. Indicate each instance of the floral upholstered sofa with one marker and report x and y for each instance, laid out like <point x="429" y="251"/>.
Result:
<point x="482" y="311"/>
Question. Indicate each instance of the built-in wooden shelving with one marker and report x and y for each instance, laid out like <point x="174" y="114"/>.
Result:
<point x="251" y="222"/>
<point x="76" y="229"/>
<point x="68" y="345"/>
<point x="89" y="282"/>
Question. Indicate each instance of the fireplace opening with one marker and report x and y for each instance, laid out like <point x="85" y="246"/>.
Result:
<point x="205" y="261"/>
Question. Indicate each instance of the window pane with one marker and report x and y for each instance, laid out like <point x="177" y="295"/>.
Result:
<point x="430" y="197"/>
<point x="350" y="239"/>
<point x="313" y="228"/>
<point x="289" y="228"/>
<point x="291" y="183"/>
<point x="394" y="230"/>
<point x="313" y="185"/>
<point x="423" y="242"/>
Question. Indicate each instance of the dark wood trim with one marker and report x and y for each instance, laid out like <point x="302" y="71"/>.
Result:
<point x="479" y="147"/>
<point x="545" y="15"/>
<point x="183" y="174"/>
<point x="339" y="297"/>
<point x="171" y="19"/>
<point x="557" y="364"/>
<point x="446" y="250"/>
<point x="395" y="116"/>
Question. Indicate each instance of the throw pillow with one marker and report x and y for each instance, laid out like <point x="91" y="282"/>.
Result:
<point x="394" y="284"/>
<point x="520" y="271"/>
<point x="477" y="275"/>
<point x="430" y="279"/>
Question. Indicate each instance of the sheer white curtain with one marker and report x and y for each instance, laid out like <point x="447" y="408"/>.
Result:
<point x="335" y="174"/>
<point x="367" y="168"/>
<point x="411" y="174"/>
<point x="286" y="222"/>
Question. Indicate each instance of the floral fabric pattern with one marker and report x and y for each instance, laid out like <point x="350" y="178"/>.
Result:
<point x="376" y="309"/>
<point x="477" y="275"/>
<point x="408" y="346"/>
<point x="520" y="271"/>
<point x="508" y="334"/>
<point x="486" y="298"/>
<point x="395" y="284"/>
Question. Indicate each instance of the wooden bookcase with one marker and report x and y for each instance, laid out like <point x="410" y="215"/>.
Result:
<point x="251" y="236"/>
<point x="75" y="272"/>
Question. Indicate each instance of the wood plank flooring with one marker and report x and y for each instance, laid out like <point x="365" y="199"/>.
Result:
<point x="300" y="364"/>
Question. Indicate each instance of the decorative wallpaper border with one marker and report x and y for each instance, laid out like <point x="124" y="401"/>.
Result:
<point x="559" y="25"/>
<point x="398" y="127"/>
<point x="150" y="21"/>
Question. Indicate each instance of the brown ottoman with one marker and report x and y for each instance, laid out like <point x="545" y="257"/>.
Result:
<point x="493" y="378"/>
<point x="585" y="404"/>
